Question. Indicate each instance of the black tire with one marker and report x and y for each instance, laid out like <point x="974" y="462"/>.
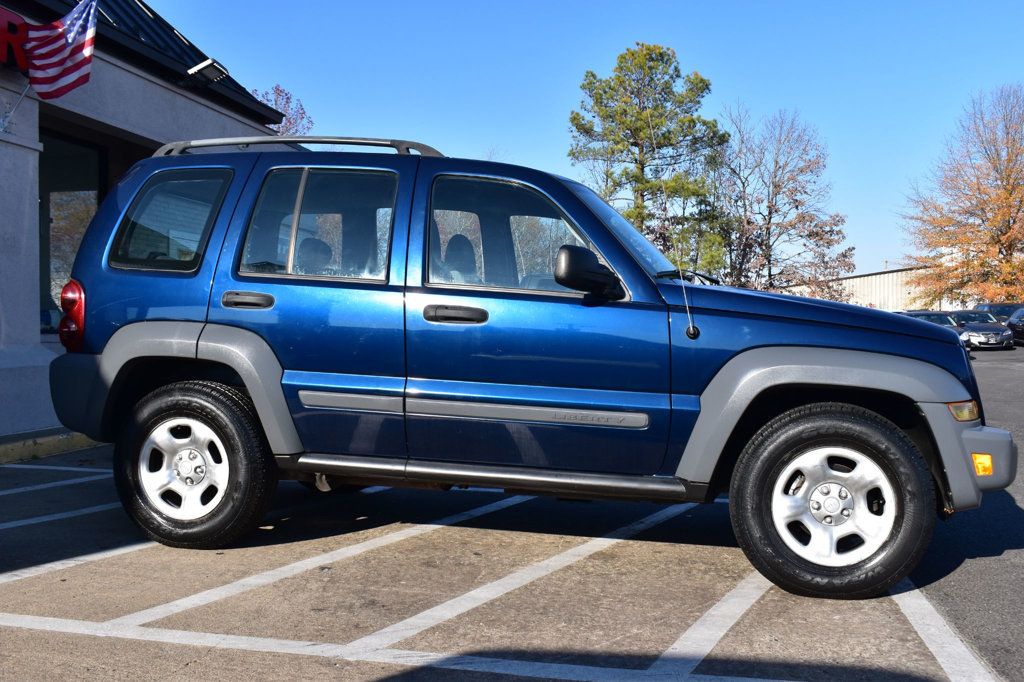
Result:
<point x="799" y="431"/>
<point x="252" y="478"/>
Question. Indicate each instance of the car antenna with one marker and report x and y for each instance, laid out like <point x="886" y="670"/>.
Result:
<point x="692" y="332"/>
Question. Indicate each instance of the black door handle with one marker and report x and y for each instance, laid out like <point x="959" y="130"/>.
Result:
<point x="253" y="300"/>
<point x="454" y="314"/>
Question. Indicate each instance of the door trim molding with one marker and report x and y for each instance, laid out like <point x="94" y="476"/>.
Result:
<point x="423" y="407"/>
<point x="360" y="402"/>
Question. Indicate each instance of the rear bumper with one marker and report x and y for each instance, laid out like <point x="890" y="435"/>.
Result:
<point x="956" y="442"/>
<point x="79" y="393"/>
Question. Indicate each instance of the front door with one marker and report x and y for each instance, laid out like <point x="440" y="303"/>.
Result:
<point x="505" y="366"/>
<point x="317" y="268"/>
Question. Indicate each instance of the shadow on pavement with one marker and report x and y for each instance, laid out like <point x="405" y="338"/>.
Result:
<point x="994" y="529"/>
<point x="341" y="513"/>
<point x="300" y="516"/>
<point x="462" y="667"/>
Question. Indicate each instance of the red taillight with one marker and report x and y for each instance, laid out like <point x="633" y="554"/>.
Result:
<point x="72" y="326"/>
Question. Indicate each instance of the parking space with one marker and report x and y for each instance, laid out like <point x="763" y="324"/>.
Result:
<point x="420" y="584"/>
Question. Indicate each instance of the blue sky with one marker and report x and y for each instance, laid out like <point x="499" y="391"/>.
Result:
<point x="882" y="82"/>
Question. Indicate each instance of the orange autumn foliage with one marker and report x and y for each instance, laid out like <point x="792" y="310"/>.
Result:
<point x="968" y="227"/>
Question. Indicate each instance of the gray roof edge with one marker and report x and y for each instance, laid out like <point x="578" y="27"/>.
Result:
<point x="168" y="66"/>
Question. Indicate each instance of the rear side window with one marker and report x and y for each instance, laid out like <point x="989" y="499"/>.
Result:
<point x="169" y="221"/>
<point x="322" y="222"/>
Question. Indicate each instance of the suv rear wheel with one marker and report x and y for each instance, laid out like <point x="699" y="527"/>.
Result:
<point x="832" y="500"/>
<point x="192" y="468"/>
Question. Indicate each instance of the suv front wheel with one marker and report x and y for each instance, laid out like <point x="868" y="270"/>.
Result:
<point x="191" y="466"/>
<point x="832" y="500"/>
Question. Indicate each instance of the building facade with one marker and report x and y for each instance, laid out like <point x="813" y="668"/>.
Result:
<point x="890" y="290"/>
<point x="59" y="157"/>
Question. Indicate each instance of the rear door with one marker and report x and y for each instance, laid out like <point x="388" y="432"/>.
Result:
<point x="505" y="366"/>
<point x="314" y="263"/>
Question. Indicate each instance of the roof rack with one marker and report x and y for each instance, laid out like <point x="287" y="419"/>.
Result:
<point x="401" y="146"/>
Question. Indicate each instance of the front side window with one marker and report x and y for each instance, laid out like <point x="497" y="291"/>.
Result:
<point x="494" y="233"/>
<point x="322" y="223"/>
<point x="168" y="223"/>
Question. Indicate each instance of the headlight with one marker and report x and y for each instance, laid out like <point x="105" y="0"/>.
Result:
<point x="1007" y="333"/>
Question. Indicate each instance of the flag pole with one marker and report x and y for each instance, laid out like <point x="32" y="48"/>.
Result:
<point x="5" y="120"/>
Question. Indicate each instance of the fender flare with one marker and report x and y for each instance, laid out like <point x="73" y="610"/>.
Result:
<point x="750" y="373"/>
<point x="243" y="351"/>
<point x="249" y="355"/>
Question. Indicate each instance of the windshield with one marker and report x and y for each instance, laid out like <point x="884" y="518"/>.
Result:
<point x="1004" y="309"/>
<point x="935" y="318"/>
<point x="965" y="318"/>
<point x="652" y="260"/>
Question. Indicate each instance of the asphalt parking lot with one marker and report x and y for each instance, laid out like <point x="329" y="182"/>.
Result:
<point x="416" y="584"/>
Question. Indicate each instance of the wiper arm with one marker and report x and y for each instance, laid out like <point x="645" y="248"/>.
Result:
<point x="688" y="275"/>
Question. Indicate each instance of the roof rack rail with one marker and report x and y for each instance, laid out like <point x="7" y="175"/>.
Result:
<point x="401" y="146"/>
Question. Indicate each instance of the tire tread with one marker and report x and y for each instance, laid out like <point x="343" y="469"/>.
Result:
<point x="216" y="402"/>
<point x="818" y="420"/>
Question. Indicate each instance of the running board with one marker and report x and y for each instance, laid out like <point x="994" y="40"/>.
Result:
<point x="395" y="471"/>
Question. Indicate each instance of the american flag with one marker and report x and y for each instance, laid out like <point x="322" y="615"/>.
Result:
<point x="60" y="54"/>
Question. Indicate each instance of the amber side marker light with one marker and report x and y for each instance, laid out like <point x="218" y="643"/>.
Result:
<point x="982" y="463"/>
<point x="966" y="411"/>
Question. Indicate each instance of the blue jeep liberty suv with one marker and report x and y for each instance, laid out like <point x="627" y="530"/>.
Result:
<point x="268" y="311"/>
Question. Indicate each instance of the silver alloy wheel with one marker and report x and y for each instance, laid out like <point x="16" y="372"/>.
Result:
<point x="183" y="469"/>
<point x="833" y="506"/>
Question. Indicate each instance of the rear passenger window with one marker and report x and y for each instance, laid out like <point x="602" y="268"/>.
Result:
<point x="322" y="223"/>
<point x="169" y="221"/>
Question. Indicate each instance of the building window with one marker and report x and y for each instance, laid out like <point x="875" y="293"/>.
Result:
<point x="70" y="189"/>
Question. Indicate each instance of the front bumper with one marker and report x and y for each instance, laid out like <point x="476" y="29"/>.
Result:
<point x="998" y="342"/>
<point x="956" y="442"/>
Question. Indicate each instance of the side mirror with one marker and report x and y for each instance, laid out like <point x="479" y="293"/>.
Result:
<point x="578" y="268"/>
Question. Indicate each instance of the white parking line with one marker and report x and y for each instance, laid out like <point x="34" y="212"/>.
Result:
<point x="289" y="570"/>
<point x="491" y="591"/>
<point x="521" y="668"/>
<point x="696" y="643"/>
<point x="70" y="562"/>
<point x="47" y="467"/>
<point x="54" y="484"/>
<point x="955" y="657"/>
<point x="58" y="516"/>
<point x="61" y="564"/>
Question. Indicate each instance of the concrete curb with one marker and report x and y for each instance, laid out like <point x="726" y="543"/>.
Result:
<point x="43" y="445"/>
